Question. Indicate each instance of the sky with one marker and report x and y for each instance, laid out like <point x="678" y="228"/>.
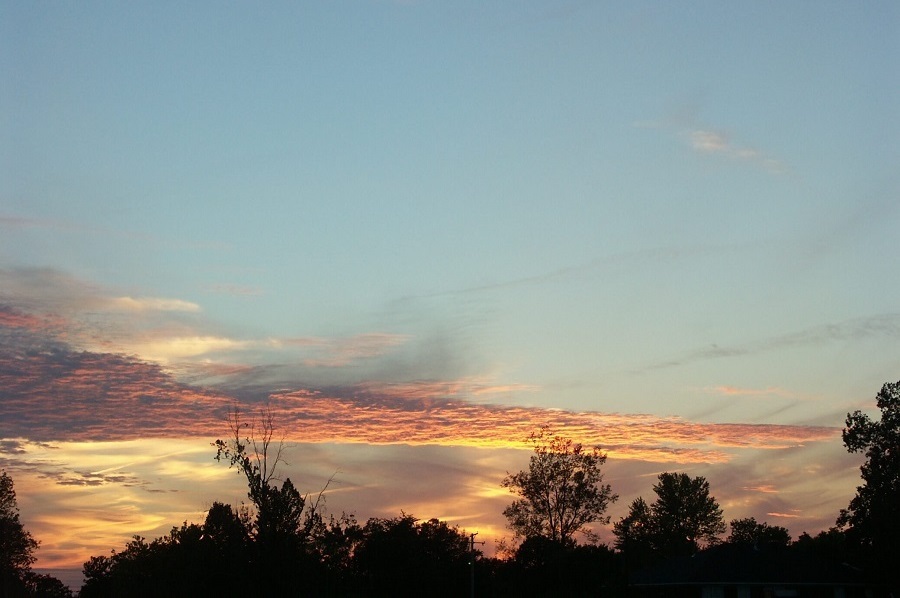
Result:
<point x="419" y="230"/>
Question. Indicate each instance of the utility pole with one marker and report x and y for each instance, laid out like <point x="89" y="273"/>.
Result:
<point x="472" y="544"/>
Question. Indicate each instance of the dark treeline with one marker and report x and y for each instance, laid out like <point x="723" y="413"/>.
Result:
<point x="283" y="544"/>
<point x="225" y="557"/>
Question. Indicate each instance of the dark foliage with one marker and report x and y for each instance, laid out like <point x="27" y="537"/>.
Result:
<point x="682" y="519"/>
<point x="750" y="533"/>
<point x="635" y="535"/>
<point x="872" y="518"/>
<point x="542" y="567"/>
<point x="287" y="547"/>
<point x="17" y="548"/>
<point x="386" y="557"/>
<point x="561" y="493"/>
<point x="403" y="557"/>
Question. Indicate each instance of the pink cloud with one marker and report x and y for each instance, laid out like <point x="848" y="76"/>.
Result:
<point x="716" y="142"/>
<point x="763" y="488"/>
<point x="784" y="515"/>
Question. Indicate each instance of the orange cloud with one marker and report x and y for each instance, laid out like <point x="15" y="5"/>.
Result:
<point x="411" y="418"/>
<point x="764" y="488"/>
<point x="59" y="394"/>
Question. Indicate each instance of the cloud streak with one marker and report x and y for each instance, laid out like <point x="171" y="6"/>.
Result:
<point x="631" y="258"/>
<point x="726" y="390"/>
<point x="714" y="142"/>
<point x="887" y="324"/>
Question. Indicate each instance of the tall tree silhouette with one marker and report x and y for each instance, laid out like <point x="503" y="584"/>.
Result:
<point x="872" y="518"/>
<point x="683" y="518"/>
<point x="561" y="492"/>
<point x="285" y="518"/>
<point x="17" y="545"/>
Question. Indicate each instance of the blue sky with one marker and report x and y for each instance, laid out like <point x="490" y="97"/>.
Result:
<point x="671" y="211"/>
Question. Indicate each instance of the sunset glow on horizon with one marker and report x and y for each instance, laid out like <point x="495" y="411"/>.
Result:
<point x="417" y="232"/>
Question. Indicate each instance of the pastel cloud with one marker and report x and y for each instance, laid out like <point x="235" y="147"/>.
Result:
<point x="163" y="329"/>
<point x="710" y="141"/>
<point x="93" y="317"/>
<point x="153" y="304"/>
<point x="716" y="142"/>
<point x="166" y="349"/>
<point x="765" y="488"/>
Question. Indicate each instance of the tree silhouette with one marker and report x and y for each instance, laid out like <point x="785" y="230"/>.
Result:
<point x="543" y="567"/>
<point x="682" y="519"/>
<point x="685" y="515"/>
<point x="401" y="556"/>
<point x="748" y="531"/>
<point x="285" y="518"/>
<point x="873" y="517"/>
<point x="635" y="534"/>
<point x="17" y="547"/>
<point x="212" y="559"/>
<point x="250" y="449"/>
<point x="561" y="492"/>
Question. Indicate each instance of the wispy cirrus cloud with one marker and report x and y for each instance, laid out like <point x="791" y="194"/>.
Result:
<point x="17" y="222"/>
<point x="765" y="489"/>
<point x="793" y="515"/>
<point x="709" y="141"/>
<point x="236" y="290"/>
<point x="887" y="324"/>
<point x="21" y="223"/>
<point x="653" y="255"/>
<point x="341" y="351"/>
<point x="737" y="391"/>
<point x="716" y="142"/>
